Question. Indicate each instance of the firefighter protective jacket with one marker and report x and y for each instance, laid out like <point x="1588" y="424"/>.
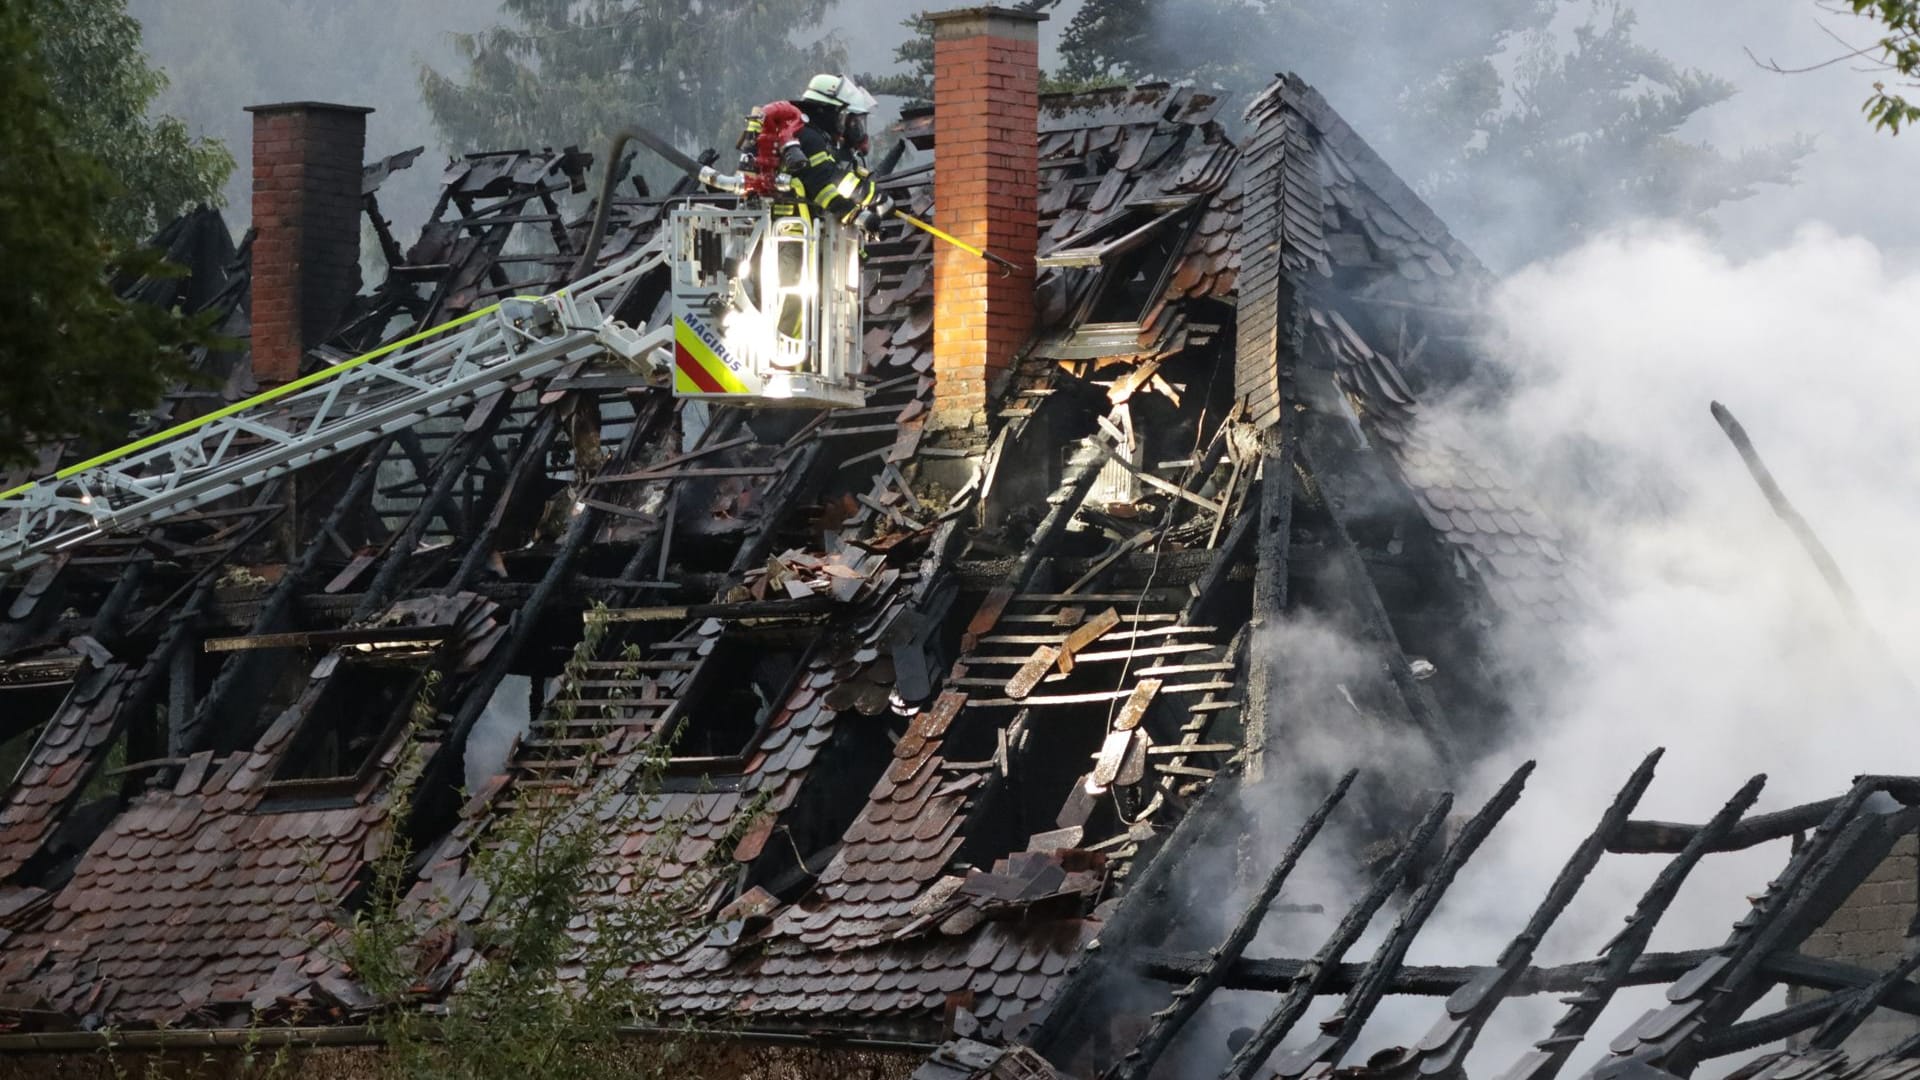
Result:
<point x="823" y="181"/>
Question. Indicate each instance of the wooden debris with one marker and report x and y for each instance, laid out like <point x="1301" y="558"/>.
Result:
<point x="1087" y="633"/>
<point x="1136" y="707"/>
<point x="1035" y="669"/>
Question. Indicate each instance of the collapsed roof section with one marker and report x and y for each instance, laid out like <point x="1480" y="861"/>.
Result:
<point x="1716" y="998"/>
<point x="967" y="690"/>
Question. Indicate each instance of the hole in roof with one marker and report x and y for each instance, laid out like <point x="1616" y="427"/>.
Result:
<point x="353" y="718"/>
<point x="747" y="677"/>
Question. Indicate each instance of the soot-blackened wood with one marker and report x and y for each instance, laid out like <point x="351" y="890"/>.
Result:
<point x="279" y="602"/>
<point x="1817" y="551"/>
<point x="1442" y="980"/>
<point x="1274" y="522"/>
<point x="1187" y="1000"/>
<point x="1311" y="979"/>
<point x="1206" y="826"/>
<point x="1066" y="501"/>
<point x="1853" y="994"/>
<point x="1783" y="508"/>
<point x="1855" y="1008"/>
<point x="1277" y="459"/>
<point x="113" y="610"/>
<point x="440" y="779"/>
<point x="1623" y="954"/>
<point x="180" y="687"/>
<point x="1816" y="881"/>
<point x="529" y="464"/>
<point x="267" y="503"/>
<point x="158" y="666"/>
<point x="1422" y="980"/>
<point x="1773" y="1027"/>
<point x="1207" y="588"/>
<point x="1666" y="837"/>
<point x="453" y="463"/>
<point x="423" y="467"/>
<point x="1337" y="1035"/>
<point x="805" y="472"/>
<point x="1442" y="1053"/>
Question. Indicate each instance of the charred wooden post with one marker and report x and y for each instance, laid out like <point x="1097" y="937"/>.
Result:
<point x="1854" y="837"/>
<point x="1625" y="951"/>
<point x="1273" y="519"/>
<point x="1312" y="976"/>
<point x="1443" y="980"/>
<point x="279" y="601"/>
<point x="527" y="464"/>
<point x="1802" y="531"/>
<point x="1338" y="1035"/>
<point x="441" y="772"/>
<point x="458" y="456"/>
<point x="1854" y="1009"/>
<point x="1443" y="1052"/>
<point x="1187" y="1000"/>
<point x="1657" y="837"/>
<point x="1066" y="501"/>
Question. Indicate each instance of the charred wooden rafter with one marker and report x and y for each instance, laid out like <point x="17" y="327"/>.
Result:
<point x="1709" y="988"/>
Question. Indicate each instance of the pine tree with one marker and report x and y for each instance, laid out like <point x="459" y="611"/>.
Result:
<point x="555" y="72"/>
<point x="1573" y="137"/>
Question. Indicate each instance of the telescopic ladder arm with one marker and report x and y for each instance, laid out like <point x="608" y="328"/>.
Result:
<point x="438" y="371"/>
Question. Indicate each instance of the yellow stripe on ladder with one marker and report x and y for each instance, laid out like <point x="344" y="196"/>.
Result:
<point x="274" y="394"/>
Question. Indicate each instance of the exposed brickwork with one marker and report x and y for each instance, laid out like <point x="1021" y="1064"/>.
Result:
<point x="306" y="213"/>
<point x="987" y="74"/>
<point x="1870" y="930"/>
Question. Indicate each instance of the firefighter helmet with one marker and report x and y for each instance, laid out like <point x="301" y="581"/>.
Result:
<point x="839" y="91"/>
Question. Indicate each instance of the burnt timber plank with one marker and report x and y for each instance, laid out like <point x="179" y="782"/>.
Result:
<point x="1167" y="1024"/>
<point x="1309" y="980"/>
<point x="1442" y="980"/>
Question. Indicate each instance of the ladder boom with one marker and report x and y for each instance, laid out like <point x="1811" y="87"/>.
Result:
<point x="324" y="414"/>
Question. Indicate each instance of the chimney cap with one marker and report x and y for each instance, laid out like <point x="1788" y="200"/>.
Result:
<point x="292" y="106"/>
<point x="984" y="13"/>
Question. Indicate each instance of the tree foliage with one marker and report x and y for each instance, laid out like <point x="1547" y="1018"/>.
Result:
<point x="1899" y="52"/>
<point x="96" y="71"/>
<point x="554" y="942"/>
<point x="1491" y="113"/>
<point x="75" y="358"/>
<point x="580" y="70"/>
<point x="916" y="53"/>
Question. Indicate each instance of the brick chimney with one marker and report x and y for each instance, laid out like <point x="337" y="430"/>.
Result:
<point x="986" y="73"/>
<point x="306" y="219"/>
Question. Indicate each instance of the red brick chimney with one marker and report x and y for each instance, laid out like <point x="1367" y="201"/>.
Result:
<point x="306" y="220"/>
<point x="986" y="75"/>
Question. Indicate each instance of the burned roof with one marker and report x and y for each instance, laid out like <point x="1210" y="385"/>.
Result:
<point x="941" y="711"/>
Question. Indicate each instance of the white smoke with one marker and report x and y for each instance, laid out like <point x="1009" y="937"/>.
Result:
<point x="1710" y="631"/>
<point x="1712" y="634"/>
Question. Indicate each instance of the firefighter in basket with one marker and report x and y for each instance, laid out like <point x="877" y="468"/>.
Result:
<point x="806" y="157"/>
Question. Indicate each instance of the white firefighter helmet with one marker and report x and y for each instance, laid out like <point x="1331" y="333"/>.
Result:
<point x="841" y="91"/>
